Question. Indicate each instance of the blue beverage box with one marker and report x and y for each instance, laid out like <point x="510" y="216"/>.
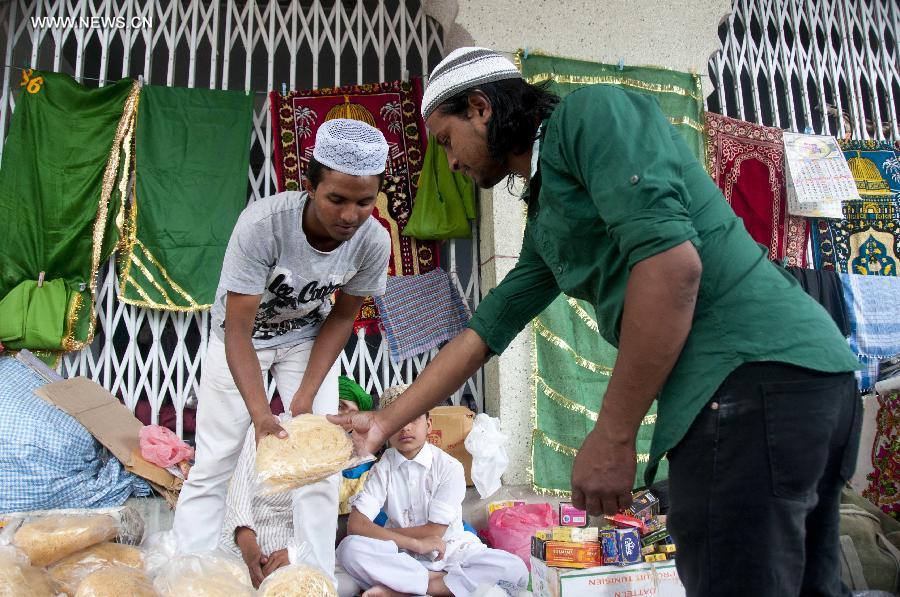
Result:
<point x="629" y="543"/>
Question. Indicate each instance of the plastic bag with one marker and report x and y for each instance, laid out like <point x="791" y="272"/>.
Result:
<point x="18" y="578"/>
<point x="48" y="539"/>
<point x="313" y="450"/>
<point x="159" y="548"/>
<point x="293" y="580"/>
<point x="70" y="571"/>
<point x="162" y="447"/>
<point x="511" y="529"/>
<point x="129" y="524"/>
<point x="487" y="445"/>
<point x="209" y="574"/>
<point x="117" y="581"/>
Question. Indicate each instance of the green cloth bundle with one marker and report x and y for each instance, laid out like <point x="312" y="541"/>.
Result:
<point x="573" y="362"/>
<point x="445" y="201"/>
<point x="65" y="170"/>
<point x="192" y="156"/>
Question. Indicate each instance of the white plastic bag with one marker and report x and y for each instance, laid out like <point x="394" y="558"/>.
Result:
<point x="487" y="445"/>
<point x="207" y="574"/>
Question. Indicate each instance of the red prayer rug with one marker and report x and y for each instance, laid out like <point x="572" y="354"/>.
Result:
<point x="391" y="107"/>
<point x="747" y="162"/>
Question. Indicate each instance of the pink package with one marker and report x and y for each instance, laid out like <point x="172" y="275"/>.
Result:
<point x="511" y="529"/>
<point x="570" y="516"/>
<point x="162" y="447"/>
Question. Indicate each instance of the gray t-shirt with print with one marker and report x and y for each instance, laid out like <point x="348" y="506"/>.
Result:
<point x="269" y="254"/>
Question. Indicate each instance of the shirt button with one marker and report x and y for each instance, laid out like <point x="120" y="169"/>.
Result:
<point x="559" y="269"/>
<point x="634" y="179"/>
<point x="714" y="406"/>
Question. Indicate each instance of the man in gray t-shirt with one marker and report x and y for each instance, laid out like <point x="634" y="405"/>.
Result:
<point x="289" y="254"/>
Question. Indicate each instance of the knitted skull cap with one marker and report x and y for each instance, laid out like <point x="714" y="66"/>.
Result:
<point x="391" y="394"/>
<point x="351" y="147"/>
<point x="463" y="69"/>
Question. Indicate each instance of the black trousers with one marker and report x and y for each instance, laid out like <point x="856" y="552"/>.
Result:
<point x="755" y="484"/>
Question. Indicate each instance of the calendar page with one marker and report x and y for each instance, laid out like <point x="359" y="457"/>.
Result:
<point x="818" y="179"/>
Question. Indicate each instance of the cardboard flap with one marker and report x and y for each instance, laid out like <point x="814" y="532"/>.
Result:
<point x="109" y="421"/>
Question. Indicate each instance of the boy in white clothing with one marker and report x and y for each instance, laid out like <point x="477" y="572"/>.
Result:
<point x="423" y="547"/>
<point x="287" y="256"/>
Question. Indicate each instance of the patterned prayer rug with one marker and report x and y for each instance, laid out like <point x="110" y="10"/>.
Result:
<point x="867" y="240"/>
<point x="884" y="480"/>
<point x="747" y="162"/>
<point x="391" y="107"/>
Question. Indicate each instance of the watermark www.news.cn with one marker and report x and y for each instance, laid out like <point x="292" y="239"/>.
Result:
<point x="92" y="23"/>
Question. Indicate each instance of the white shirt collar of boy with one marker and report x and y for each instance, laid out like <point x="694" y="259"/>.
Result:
<point x="423" y="458"/>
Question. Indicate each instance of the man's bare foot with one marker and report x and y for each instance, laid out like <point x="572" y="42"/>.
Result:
<point x="383" y="591"/>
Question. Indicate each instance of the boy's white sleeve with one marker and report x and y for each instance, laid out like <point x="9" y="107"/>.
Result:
<point x="238" y="510"/>
<point x="370" y="500"/>
<point x="446" y="502"/>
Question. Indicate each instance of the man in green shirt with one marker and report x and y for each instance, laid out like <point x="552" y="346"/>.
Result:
<point x="757" y="405"/>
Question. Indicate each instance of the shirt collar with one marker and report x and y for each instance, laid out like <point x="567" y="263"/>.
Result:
<point x="424" y="458"/>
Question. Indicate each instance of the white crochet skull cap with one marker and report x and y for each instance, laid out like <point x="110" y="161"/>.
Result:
<point x="351" y="146"/>
<point x="462" y="69"/>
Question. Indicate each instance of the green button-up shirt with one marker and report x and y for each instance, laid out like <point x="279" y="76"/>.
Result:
<point x="615" y="185"/>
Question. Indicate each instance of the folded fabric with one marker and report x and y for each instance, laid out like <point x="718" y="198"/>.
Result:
<point x="66" y="165"/>
<point x="47" y="458"/>
<point x="420" y="312"/>
<point x="192" y="153"/>
<point x="874" y="313"/>
<point x="33" y="316"/>
<point x="445" y="201"/>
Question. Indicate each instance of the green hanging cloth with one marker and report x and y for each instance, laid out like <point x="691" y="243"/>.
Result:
<point x="192" y="156"/>
<point x="572" y="361"/>
<point x="445" y="201"/>
<point x="65" y="170"/>
<point x="680" y="95"/>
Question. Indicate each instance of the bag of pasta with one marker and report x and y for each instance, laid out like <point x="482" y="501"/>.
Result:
<point x="48" y="539"/>
<point x="18" y="578"/>
<point x="313" y="450"/>
<point x="297" y="579"/>
<point x="117" y="581"/>
<point x="70" y="571"/>
<point x="210" y="574"/>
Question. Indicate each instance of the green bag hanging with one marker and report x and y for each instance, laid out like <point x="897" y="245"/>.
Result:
<point x="445" y="201"/>
<point x="34" y="317"/>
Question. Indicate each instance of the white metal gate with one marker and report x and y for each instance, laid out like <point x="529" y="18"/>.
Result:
<point x="254" y="45"/>
<point x="823" y="66"/>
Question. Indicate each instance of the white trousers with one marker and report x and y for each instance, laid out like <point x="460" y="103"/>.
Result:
<point x="222" y="423"/>
<point x="373" y="562"/>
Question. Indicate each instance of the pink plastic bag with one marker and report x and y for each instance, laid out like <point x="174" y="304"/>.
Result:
<point x="162" y="447"/>
<point x="511" y="529"/>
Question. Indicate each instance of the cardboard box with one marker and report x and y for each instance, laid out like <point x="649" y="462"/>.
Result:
<point x="570" y="516"/>
<point x="113" y="425"/>
<point x="657" y="579"/>
<point x="575" y="534"/>
<point x="449" y="427"/>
